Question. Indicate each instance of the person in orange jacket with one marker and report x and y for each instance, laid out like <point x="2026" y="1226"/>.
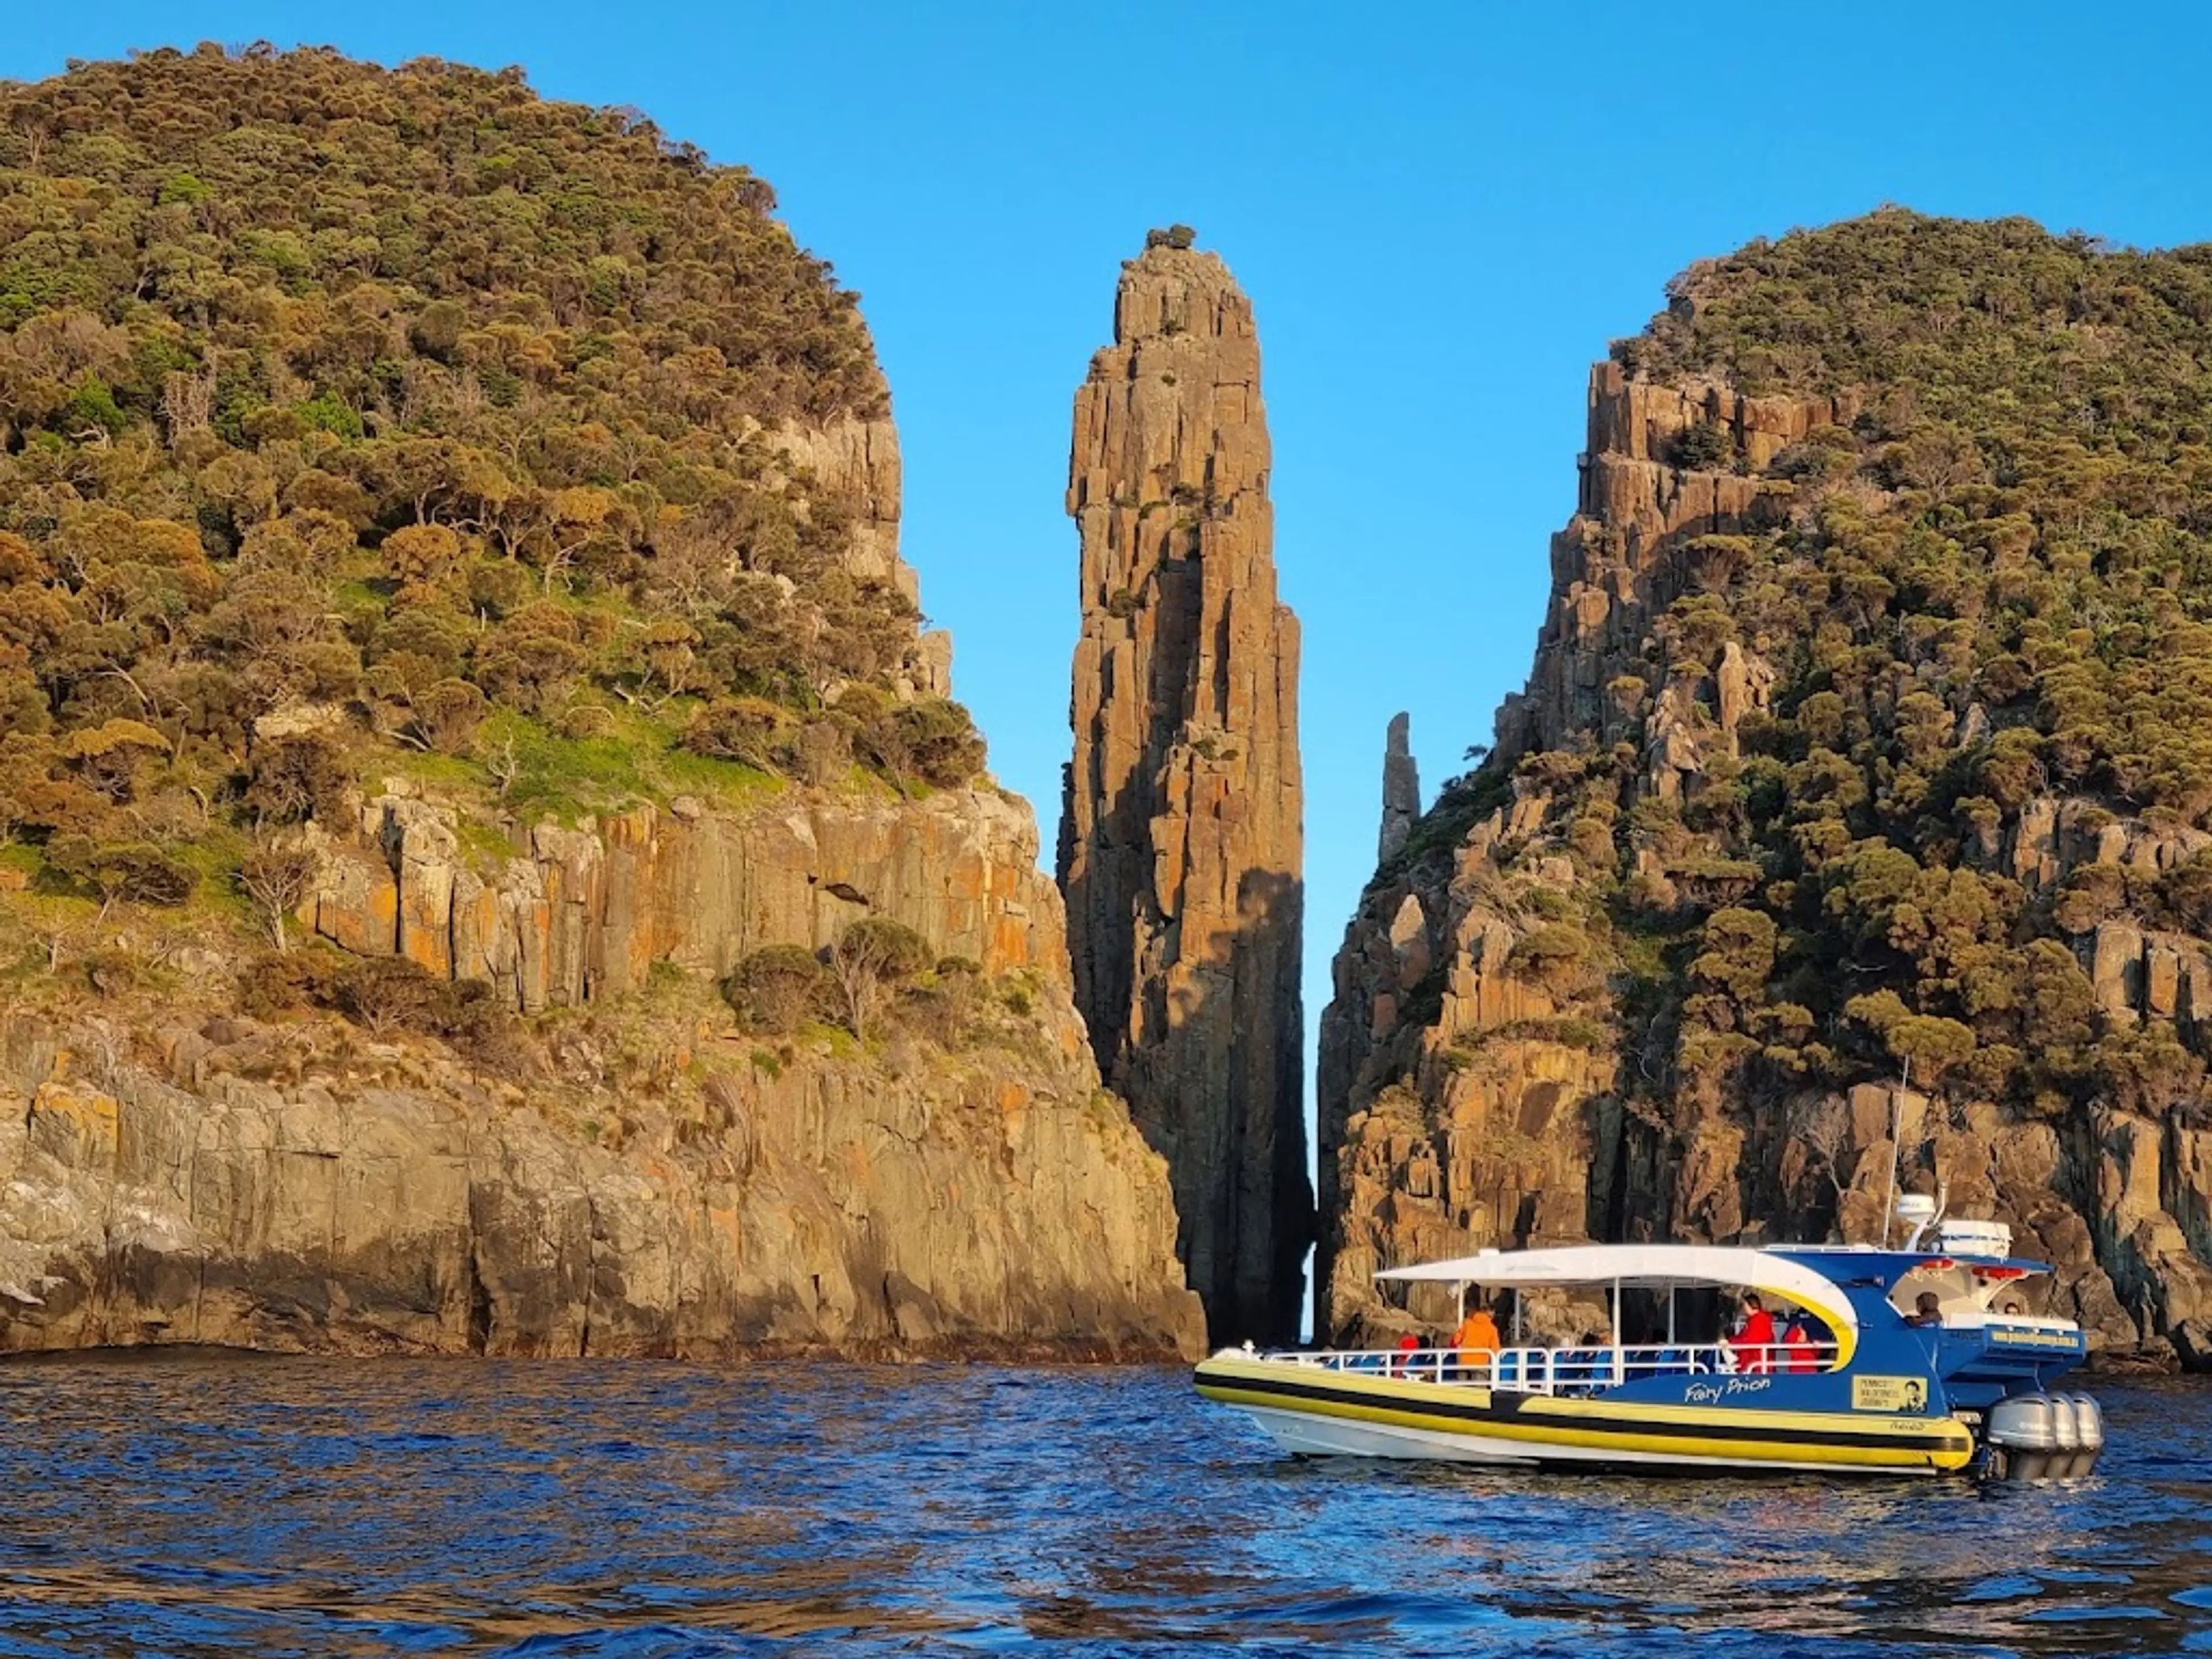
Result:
<point x="1476" y="1339"/>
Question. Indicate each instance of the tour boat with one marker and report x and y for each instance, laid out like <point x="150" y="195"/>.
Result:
<point x="1878" y="1380"/>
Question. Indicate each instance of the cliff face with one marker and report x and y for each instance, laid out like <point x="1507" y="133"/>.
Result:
<point x="1802" y="799"/>
<point x="1181" y="839"/>
<point x="664" y="1184"/>
<point x="586" y="914"/>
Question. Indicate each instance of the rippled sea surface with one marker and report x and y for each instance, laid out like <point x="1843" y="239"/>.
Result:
<point x="183" y="1505"/>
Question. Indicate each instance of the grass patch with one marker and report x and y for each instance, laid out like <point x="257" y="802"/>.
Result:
<point x="447" y="773"/>
<point x="357" y="600"/>
<point x="634" y="761"/>
<point x="565" y="778"/>
<point x="841" y="1043"/>
<point x="485" y="846"/>
<point x="217" y="855"/>
<point x="720" y="783"/>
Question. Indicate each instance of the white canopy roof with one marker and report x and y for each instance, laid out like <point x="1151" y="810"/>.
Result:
<point x="1649" y="1265"/>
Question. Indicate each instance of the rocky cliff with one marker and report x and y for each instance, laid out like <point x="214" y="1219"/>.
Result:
<point x="1180" y="838"/>
<point x="1853" y="809"/>
<point x="488" y="862"/>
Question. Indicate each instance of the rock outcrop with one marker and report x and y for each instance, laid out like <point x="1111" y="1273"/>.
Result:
<point x="186" y="1176"/>
<point x="1401" y="790"/>
<point x="571" y="917"/>
<point x="1181" y="836"/>
<point x="852" y="469"/>
<point x="1628" y="552"/>
<point x="191" y="1176"/>
<point x="203" y="1178"/>
<point x="813" y="1206"/>
<point x="1494" y="1073"/>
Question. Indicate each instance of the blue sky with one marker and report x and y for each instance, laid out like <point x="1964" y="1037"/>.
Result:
<point x="1442" y="213"/>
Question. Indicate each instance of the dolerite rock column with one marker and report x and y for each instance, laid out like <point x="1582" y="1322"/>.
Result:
<point x="1401" y="790"/>
<point x="1182" y="837"/>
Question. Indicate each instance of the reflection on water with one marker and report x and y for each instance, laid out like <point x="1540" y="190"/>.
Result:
<point x="198" y="1505"/>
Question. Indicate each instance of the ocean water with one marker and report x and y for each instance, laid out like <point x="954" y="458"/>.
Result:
<point x="183" y="1505"/>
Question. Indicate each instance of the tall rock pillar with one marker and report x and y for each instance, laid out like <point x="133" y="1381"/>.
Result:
<point x="1182" y="834"/>
<point x="1401" y="789"/>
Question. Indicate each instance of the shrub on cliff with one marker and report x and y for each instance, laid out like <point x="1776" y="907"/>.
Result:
<point x="134" y="870"/>
<point x="277" y="879"/>
<point x="291" y="779"/>
<point x="1702" y="447"/>
<point x="388" y="996"/>
<point x="746" y="729"/>
<point x="932" y="740"/>
<point x="385" y="995"/>
<point x="777" y="987"/>
<point x="1557" y="956"/>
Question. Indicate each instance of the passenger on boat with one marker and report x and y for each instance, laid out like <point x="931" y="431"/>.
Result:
<point x="1927" y="1309"/>
<point x="1476" y="1340"/>
<point x="1797" y="1344"/>
<point x="1752" y="1347"/>
<point x="1409" y="1345"/>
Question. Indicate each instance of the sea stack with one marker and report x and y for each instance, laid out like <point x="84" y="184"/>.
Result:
<point x="1182" y="834"/>
<point x="1401" y="789"/>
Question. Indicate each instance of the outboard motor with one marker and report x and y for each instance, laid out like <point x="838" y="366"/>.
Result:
<point x="2065" y="1434"/>
<point x="2044" y="1437"/>
<point x="2089" y="1433"/>
<point x="2022" y="1430"/>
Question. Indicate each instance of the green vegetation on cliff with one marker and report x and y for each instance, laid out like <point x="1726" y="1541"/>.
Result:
<point x="1998" y="324"/>
<point x="1987" y="597"/>
<point x="442" y="411"/>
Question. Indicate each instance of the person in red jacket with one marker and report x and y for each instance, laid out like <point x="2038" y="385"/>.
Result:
<point x="1797" y="1346"/>
<point x="1753" y="1346"/>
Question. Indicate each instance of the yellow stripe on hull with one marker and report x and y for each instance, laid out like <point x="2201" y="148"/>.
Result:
<point x="1941" y="1445"/>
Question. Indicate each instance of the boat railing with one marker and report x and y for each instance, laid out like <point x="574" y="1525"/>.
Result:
<point x="1574" y="1370"/>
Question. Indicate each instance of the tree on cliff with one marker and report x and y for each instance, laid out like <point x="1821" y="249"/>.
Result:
<point x="277" y="878"/>
<point x="869" y="962"/>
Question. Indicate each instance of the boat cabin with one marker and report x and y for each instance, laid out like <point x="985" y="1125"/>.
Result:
<point x="1832" y="1311"/>
<point x="1670" y="1287"/>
